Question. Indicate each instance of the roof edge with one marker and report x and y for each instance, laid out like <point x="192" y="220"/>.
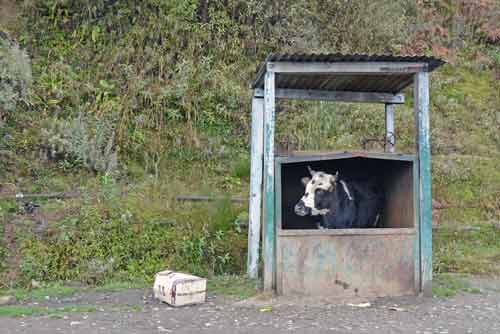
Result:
<point x="432" y="62"/>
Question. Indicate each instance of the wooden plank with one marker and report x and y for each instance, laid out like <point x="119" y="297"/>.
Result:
<point x="269" y="237"/>
<point x="278" y="223"/>
<point x="416" y="213"/>
<point x="390" y="139"/>
<point x="348" y="231"/>
<point x="348" y="67"/>
<point x="302" y="156"/>
<point x="421" y="101"/>
<point x="255" y="205"/>
<point x="340" y="96"/>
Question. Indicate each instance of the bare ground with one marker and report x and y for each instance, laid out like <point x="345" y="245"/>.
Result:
<point x="135" y="311"/>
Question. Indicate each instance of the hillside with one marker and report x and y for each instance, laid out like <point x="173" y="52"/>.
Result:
<point x="133" y="103"/>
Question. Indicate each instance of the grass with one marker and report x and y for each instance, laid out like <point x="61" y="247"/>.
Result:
<point x="52" y="290"/>
<point x="115" y="286"/>
<point x="474" y="251"/>
<point x="20" y="311"/>
<point x="232" y="285"/>
<point x="448" y="285"/>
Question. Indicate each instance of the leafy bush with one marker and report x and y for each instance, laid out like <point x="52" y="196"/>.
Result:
<point x="82" y="141"/>
<point x="15" y="75"/>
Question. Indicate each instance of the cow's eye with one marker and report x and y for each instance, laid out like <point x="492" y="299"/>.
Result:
<point x="306" y="194"/>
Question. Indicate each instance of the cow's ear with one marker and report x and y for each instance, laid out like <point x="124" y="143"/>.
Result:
<point x="333" y="179"/>
<point x="305" y="180"/>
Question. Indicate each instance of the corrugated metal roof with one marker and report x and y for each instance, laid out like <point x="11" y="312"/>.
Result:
<point x="375" y="82"/>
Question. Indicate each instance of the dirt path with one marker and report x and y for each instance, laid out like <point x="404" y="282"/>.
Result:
<point x="134" y="311"/>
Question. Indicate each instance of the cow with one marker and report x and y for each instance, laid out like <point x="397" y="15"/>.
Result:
<point x="341" y="203"/>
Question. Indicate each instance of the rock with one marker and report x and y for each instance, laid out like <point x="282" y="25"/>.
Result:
<point x="266" y="309"/>
<point x="397" y="309"/>
<point x="7" y="300"/>
<point x="35" y="284"/>
<point x="360" y="305"/>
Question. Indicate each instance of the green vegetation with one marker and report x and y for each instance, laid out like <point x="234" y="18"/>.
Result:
<point x="52" y="290"/>
<point x="235" y="286"/>
<point x="114" y="286"/>
<point x="467" y="251"/>
<point x="20" y="311"/>
<point x="133" y="103"/>
<point x="448" y="285"/>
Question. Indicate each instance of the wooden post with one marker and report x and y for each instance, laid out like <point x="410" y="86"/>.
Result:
<point x="389" y="128"/>
<point x="421" y="101"/>
<point x="269" y="235"/>
<point x="255" y="204"/>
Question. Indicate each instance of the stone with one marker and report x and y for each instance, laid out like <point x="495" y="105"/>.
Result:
<point x="7" y="300"/>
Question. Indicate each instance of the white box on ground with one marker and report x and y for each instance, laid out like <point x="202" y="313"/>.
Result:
<point x="178" y="289"/>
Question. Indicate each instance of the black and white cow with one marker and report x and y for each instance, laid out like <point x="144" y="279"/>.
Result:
<point x="341" y="203"/>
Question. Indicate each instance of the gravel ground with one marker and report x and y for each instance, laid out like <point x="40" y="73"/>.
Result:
<point x="134" y="311"/>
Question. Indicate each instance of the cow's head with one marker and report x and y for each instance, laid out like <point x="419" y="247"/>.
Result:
<point x="318" y="194"/>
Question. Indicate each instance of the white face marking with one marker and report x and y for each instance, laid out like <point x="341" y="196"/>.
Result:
<point x="322" y="181"/>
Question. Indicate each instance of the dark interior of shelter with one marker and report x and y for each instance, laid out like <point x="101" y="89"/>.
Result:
<point x="394" y="176"/>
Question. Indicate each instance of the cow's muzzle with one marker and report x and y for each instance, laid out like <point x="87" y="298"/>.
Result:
<point x="301" y="210"/>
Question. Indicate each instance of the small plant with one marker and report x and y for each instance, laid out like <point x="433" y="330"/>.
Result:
<point x="15" y="76"/>
<point x="82" y="141"/>
<point x="241" y="168"/>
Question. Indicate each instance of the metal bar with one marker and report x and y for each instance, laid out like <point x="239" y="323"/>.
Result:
<point x="20" y="196"/>
<point x="326" y="95"/>
<point x="202" y="198"/>
<point x="269" y="236"/>
<point x="346" y="232"/>
<point x="421" y="100"/>
<point x="255" y="204"/>
<point x="389" y="128"/>
<point x="347" y="67"/>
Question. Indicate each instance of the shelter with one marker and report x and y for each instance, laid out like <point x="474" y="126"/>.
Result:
<point x="347" y="78"/>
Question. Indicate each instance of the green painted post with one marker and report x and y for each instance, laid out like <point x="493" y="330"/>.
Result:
<point x="269" y="232"/>
<point x="421" y="101"/>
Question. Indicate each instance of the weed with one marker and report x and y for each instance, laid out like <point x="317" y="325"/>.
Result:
<point x="241" y="168"/>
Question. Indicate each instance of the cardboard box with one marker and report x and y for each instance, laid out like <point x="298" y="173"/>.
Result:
<point x="178" y="289"/>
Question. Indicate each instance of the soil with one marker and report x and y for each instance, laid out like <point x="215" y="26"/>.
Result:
<point x="135" y="311"/>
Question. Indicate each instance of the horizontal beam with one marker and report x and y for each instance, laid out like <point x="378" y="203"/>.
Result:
<point x="347" y="67"/>
<point x="327" y="95"/>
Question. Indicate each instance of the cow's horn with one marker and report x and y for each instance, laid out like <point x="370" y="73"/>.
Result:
<point x="311" y="171"/>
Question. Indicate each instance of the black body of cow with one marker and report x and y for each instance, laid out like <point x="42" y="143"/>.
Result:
<point x="362" y="211"/>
